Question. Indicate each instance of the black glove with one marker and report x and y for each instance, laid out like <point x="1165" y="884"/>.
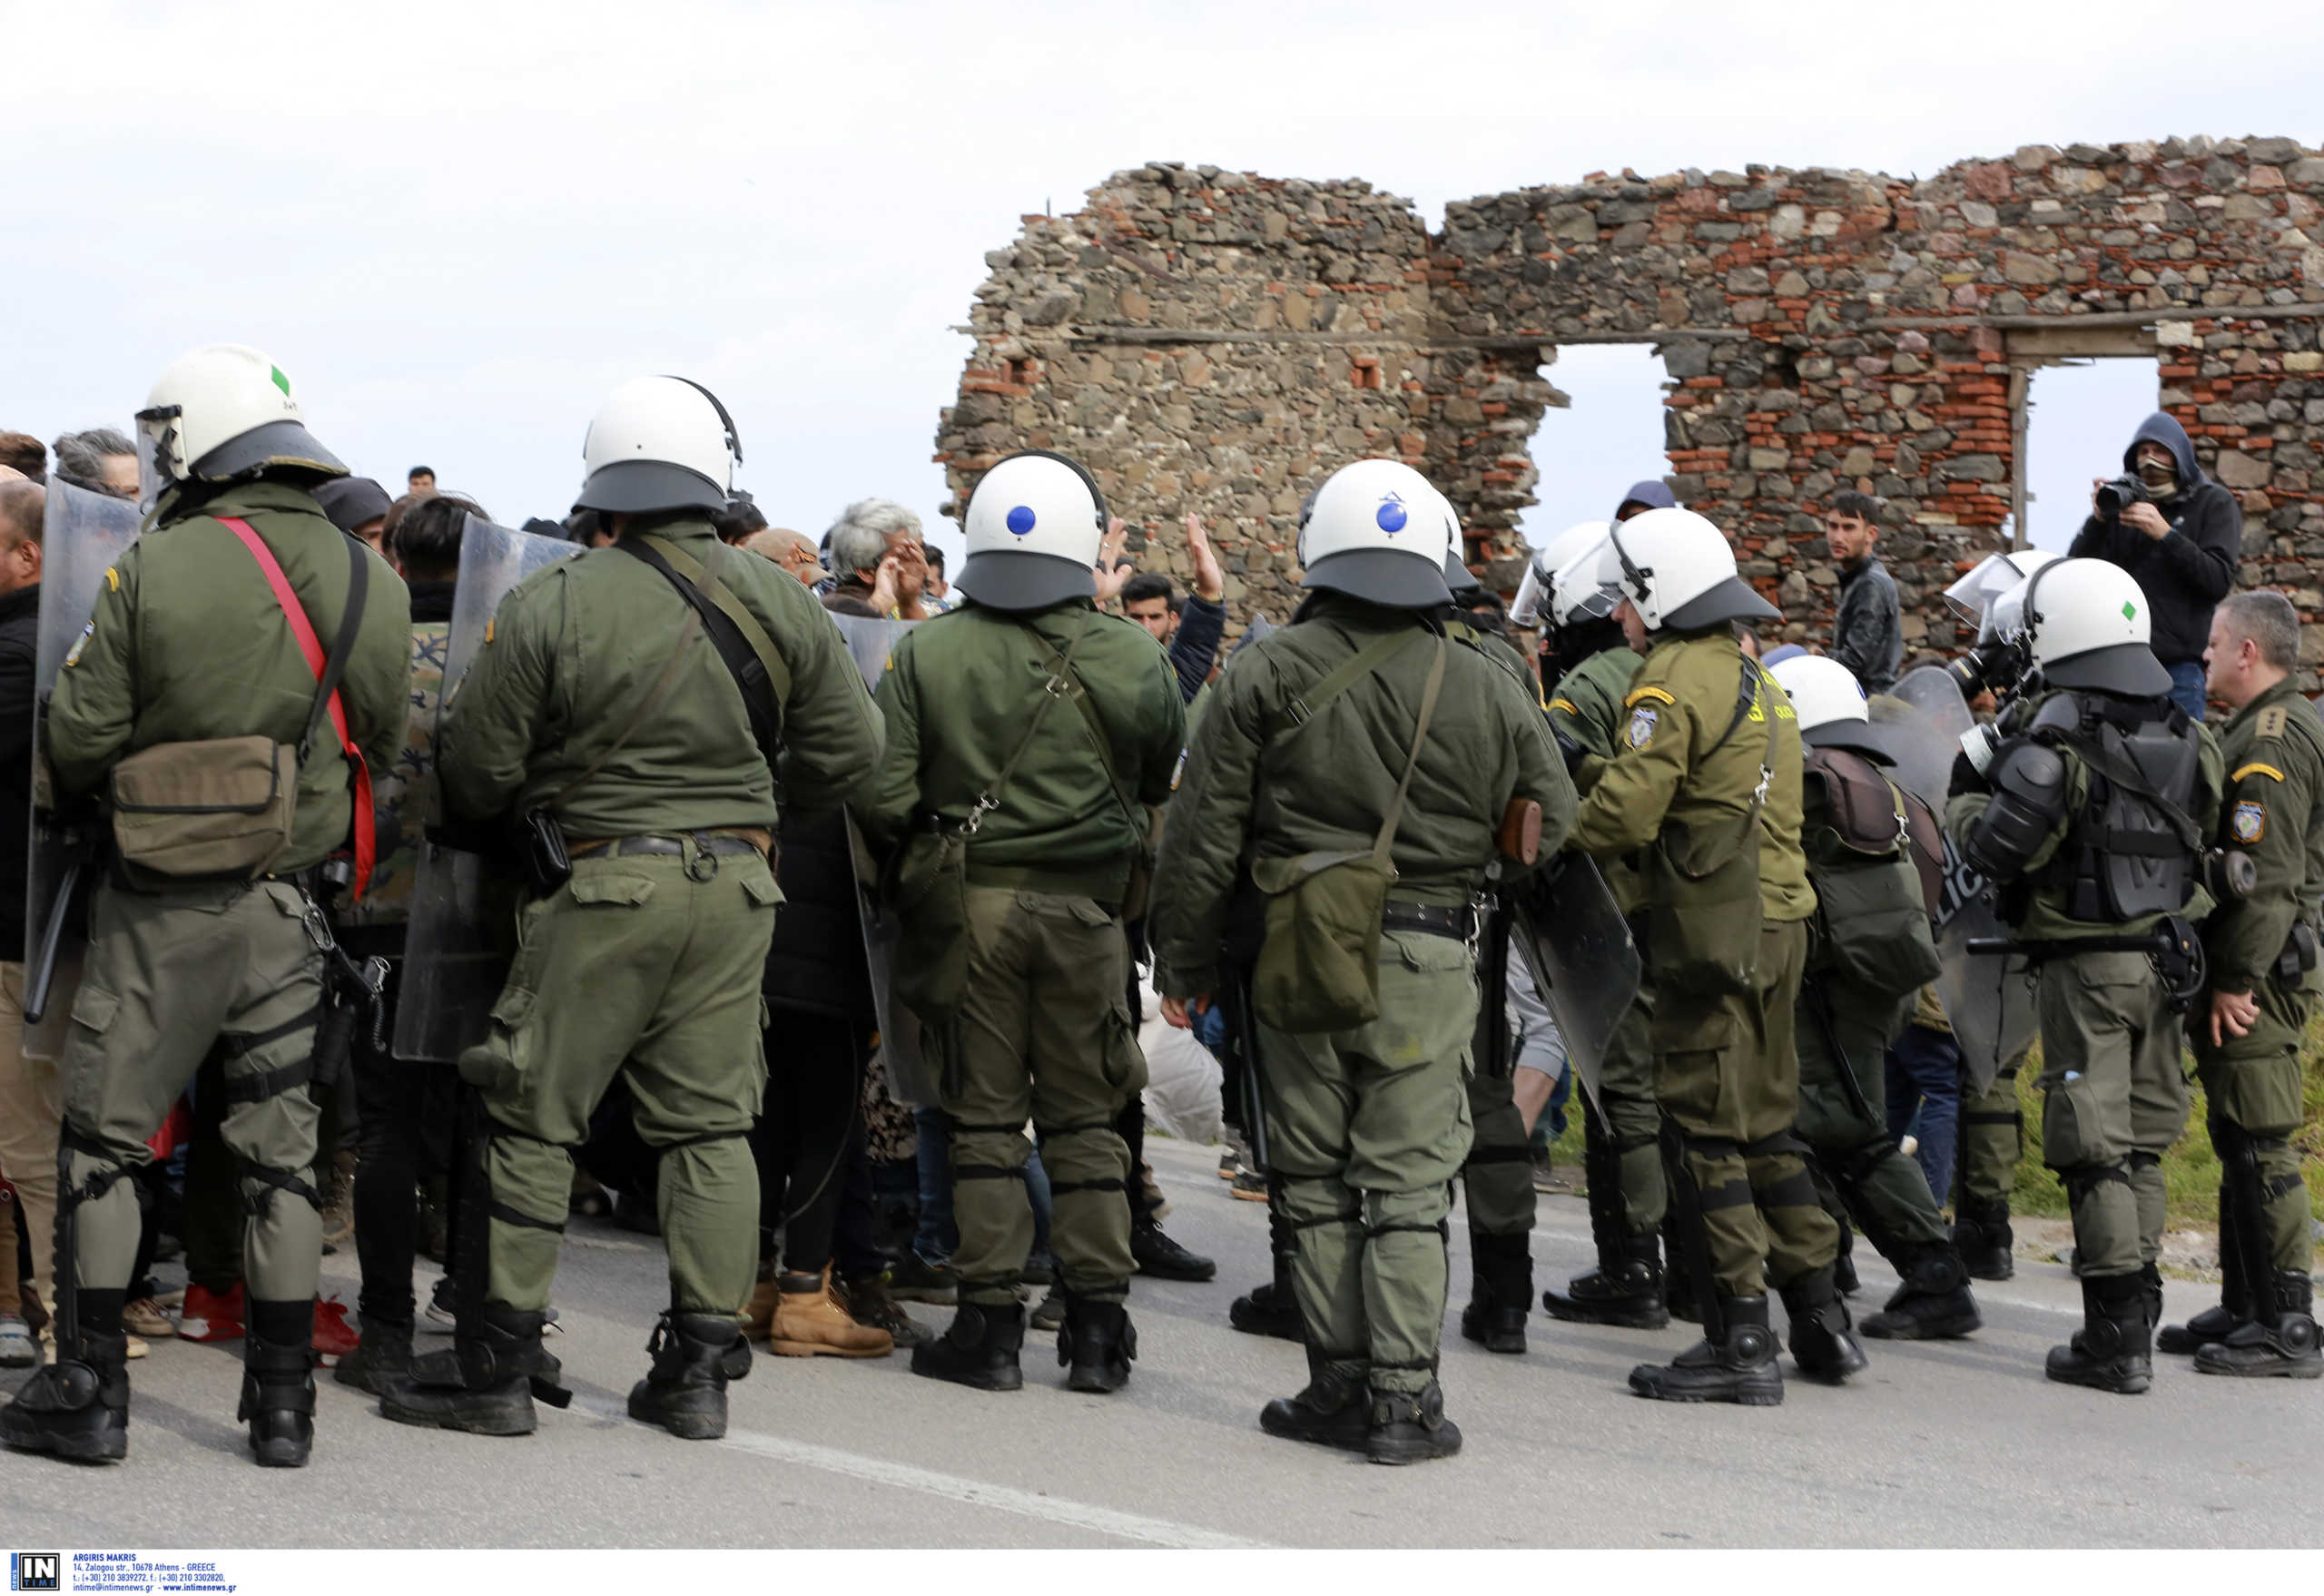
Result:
<point x="1965" y="778"/>
<point x="1575" y="753"/>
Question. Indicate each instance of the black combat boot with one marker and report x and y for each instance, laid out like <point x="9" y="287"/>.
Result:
<point x="279" y="1386"/>
<point x="2235" y="1307"/>
<point x="2282" y="1342"/>
<point x="1822" y="1342"/>
<point x="1501" y="1290"/>
<point x="979" y="1349"/>
<point x="1410" y="1426"/>
<point x="1161" y="1259"/>
<point x="1096" y="1345"/>
<point x="1981" y="1234"/>
<point x="1272" y="1309"/>
<point x="485" y="1382"/>
<point x="1333" y="1410"/>
<point x="384" y="1355"/>
<point x="1625" y="1290"/>
<point x="2111" y="1351"/>
<point x="1933" y="1304"/>
<point x="1844" y="1280"/>
<point x="694" y="1356"/>
<point x="78" y="1406"/>
<point x="1741" y="1369"/>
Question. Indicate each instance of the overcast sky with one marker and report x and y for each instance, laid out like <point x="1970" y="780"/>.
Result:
<point x="459" y="225"/>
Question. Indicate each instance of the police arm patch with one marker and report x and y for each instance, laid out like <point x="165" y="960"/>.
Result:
<point x="2249" y="823"/>
<point x="1643" y="720"/>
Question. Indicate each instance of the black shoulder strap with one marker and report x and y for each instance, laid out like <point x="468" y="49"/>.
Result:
<point x="743" y="662"/>
<point x="350" y="622"/>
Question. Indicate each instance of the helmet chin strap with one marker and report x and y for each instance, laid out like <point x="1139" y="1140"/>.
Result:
<point x="734" y="439"/>
<point x="1633" y="575"/>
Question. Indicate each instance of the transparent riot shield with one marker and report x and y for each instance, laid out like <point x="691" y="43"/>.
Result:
<point x="911" y="1076"/>
<point x="1570" y="934"/>
<point x="457" y="947"/>
<point x="1922" y="718"/>
<point x="83" y="534"/>
<point x="1989" y="997"/>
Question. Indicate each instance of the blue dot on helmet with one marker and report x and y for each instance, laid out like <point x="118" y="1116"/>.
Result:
<point x="1391" y="515"/>
<point x="1021" y="519"/>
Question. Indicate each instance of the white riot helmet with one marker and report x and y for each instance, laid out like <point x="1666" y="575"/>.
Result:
<point x="1831" y="705"/>
<point x="1373" y="531"/>
<point x="659" y="443"/>
<point x="1978" y="596"/>
<point x="1034" y="525"/>
<point x="1677" y="570"/>
<point x="222" y="412"/>
<point x="2089" y="629"/>
<point x="1578" y="591"/>
<point x="1536" y="596"/>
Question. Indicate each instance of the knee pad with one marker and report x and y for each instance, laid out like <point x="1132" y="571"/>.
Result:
<point x="2082" y="1182"/>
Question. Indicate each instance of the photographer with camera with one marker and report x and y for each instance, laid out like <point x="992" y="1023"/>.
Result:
<point x="2176" y="531"/>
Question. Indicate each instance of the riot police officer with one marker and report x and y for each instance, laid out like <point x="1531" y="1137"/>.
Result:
<point x="1620" y="1126"/>
<point x="1028" y="732"/>
<point x="207" y="932"/>
<point x="1706" y="786"/>
<point x="627" y="712"/>
<point x="2089" y="804"/>
<point x="1360" y="760"/>
<point x="2264" y="975"/>
<point x="1871" y="956"/>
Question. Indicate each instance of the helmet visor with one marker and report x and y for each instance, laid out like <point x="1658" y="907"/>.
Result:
<point x="161" y="455"/>
<point x="1972" y="597"/>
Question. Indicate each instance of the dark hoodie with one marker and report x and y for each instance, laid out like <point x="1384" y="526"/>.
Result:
<point x="1651" y="493"/>
<point x="2188" y="570"/>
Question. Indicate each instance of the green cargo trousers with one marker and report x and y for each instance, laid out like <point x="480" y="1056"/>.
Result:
<point x="1993" y="1137"/>
<point x="646" y="968"/>
<point x="1858" y="1170"/>
<point x="1368" y="1128"/>
<point x="2252" y="1088"/>
<point x="170" y="974"/>
<point x="1727" y="1072"/>
<point x="1497" y="1177"/>
<point x="1045" y="1034"/>
<point x="1626" y="1110"/>
<point x="2112" y="1103"/>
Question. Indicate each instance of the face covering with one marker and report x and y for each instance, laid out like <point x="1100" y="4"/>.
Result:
<point x="2160" y="477"/>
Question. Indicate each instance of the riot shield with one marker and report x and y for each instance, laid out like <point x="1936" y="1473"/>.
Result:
<point x="1572" y="936"/>
<point x="1924" y="716"/>
<point x="1988" y="998"/>
<point x="83" y="534"/>
<point x="911" y="1076"/>
<point x="457" y="950"/>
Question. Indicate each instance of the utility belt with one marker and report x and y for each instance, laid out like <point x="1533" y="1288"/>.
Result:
<point x="1460" y="923"/>
<point x="721" y="840"/>
<point x="2172" y="947"/>
<point x="544" y="855"/>
<point x="2298" y="955"/>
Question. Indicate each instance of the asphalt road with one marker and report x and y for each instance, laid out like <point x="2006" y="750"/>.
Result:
<point x="1951" y="1444"/>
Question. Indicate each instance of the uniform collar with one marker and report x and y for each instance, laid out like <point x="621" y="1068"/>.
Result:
<point x="241" y="498"/>
<point x="2283" y="691"/>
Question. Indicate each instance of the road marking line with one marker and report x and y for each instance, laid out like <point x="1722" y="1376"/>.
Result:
<point x="1055" y="1510"/>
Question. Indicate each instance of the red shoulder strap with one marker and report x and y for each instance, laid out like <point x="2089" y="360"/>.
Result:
<point x="366" y="841"/>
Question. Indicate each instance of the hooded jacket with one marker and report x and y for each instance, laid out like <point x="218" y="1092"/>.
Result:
<point x="2188" y="570"/>
<point x="1654" y="493"/>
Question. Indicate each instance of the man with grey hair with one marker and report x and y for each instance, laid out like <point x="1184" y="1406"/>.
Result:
<point x="2262" y="950"/>
<point x="875" y="550"/>
<point x="99" y="459"/>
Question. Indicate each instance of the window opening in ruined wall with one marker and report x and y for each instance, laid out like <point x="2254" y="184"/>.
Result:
<point x="2078" y="415"/>
<point x="1604" y="433"/>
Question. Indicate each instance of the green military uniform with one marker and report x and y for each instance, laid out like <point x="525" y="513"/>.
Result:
<point x="1621" y="1124"/>
<point x="1368" y="1125"/>
<point x="2115" y="1098"/>
<point x="188" y="643"/>
<point x="1702" y="724"/>
<point x="1992" y="1140"/>
<point x="2265" y="944"/>
<point x="596" y="696"/>
<point x="1042" y="1028"/>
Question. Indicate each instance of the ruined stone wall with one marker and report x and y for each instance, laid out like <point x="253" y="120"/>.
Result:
<point x="1216" y="341"/>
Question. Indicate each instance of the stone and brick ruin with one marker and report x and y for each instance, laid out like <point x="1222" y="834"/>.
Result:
<point x="1217" y="342"/>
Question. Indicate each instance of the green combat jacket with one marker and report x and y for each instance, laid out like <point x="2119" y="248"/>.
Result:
<point x="960" y="692"/>
<point x="2273" y="750"/>
<point x="187" y="644"/>
<point x="578" y="646"/>
<point x="1678" y="763"/>
<point x="1587" y="703"/>
<point x="2044" y="919"/>
<point x="1249" y="790"/>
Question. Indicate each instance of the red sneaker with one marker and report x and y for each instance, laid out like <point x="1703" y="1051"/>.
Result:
<point x="334" y="1337"/>
<point x="210" y="1316"/>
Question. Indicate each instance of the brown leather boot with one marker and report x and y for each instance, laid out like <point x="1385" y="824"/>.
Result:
<point x="810" y="1320"/>
<point x="758" y="1313"/>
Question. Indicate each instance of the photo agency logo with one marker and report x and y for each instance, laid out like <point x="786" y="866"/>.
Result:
<point x="35" y="1571"/>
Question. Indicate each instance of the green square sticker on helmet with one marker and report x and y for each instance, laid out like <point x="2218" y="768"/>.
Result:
<point x="2130" y="610"/>
<point x="281" y="381"/>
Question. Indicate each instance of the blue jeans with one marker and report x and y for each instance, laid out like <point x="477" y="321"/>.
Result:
<point x="1923" y="1075"/>
<point x="2187" y="687"/>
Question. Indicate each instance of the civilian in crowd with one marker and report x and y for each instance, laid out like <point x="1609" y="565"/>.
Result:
<point x="936" y="594"/>
<point x="25" y="454"/>
<point x="740" y="519"/>
<point x="420" y="481"/>
<point x="357" y="506"/>
<point x="794" y="551"/>
<point x="1867" y="627"/>
<point x="99" y="459"/>
<point x="2182" y="541"/>
<point x="875" y="551"/>
<point x="32" y="1103"/>
<point x="1188" y="630"/>
<point x="1648" y="493"/>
